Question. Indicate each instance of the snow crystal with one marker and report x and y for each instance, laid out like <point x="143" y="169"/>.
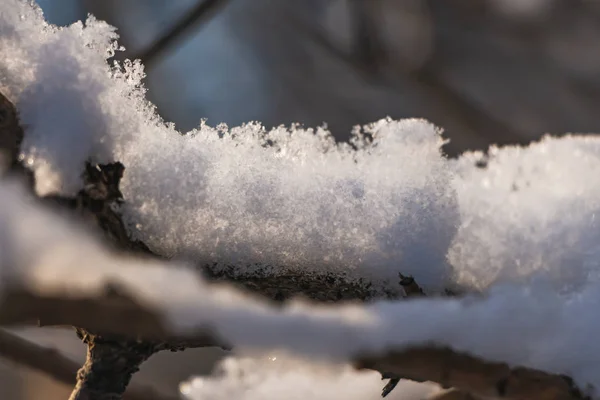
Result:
<point x="529" y="214"/>
<point x="62" y="85"/>
<point x="232" y="196"/>
<point x="276" y="377"/>
<point x="302" y="201"/>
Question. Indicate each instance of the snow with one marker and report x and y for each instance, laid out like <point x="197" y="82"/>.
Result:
<point x="548" y="331"/>
<point x="60" y="81"/>
<point x="529" y="215"/>
<point x="522" y="230"/>
<point x="304" y="203"/>
<point x="222" y="195"/>
<point x="276" y="377"/>
<point x="291" y="198"/>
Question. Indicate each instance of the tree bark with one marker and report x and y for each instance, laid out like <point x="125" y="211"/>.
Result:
<point x="110" y="364"/>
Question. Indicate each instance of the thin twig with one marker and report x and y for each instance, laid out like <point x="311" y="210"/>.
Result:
<point x="410" y="286"/>
<point x="62" y="369"/>
<point x="203" y="11"/>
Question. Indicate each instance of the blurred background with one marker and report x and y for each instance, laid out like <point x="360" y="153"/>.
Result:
<point x="487" y="71"/>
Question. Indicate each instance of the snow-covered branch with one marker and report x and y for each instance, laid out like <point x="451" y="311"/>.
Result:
<point x="287" y="212"/>
<point x="65" y="277"/>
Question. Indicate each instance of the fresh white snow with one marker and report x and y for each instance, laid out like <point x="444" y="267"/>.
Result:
<point x="277" y="376"/>
<point x="532" y="214"/>
<point x="523" y="230"/>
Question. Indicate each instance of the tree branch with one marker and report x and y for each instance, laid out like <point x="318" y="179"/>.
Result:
<point x="420" y="363"/>
<point x="57" y="366"/>
<point x="470" y="374"/>
<point x="109" y="314"/>
<point x="202" y="11"/>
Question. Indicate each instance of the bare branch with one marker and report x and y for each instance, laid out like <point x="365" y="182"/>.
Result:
<point x="109" y="314"/>
<point x="201" y="12"/>
<point x="57" y="366"/>
<point x="450" y="368"/>
<point x="410" y="286"/>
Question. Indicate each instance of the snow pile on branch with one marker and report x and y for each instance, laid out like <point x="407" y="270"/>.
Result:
<point x="277" y="377"/>
<point x="531" y="213"/>
<point x="302" y="201"/>
<point x="292" y="197"/>
<point x="244" y="195"/>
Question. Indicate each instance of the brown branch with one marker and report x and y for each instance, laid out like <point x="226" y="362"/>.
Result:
<point x="62" y="369"/>
<point x="470" y="374"/>
<point x="117" y="315"/>
<point x="422" y="363"/>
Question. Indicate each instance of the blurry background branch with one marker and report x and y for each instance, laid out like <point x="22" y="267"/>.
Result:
<point x="56" y="365"/>
<point x="178" y="31"/>
<point x="488" y="71"/>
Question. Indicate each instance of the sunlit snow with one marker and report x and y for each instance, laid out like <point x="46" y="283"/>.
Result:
<point x="291" y="198"/>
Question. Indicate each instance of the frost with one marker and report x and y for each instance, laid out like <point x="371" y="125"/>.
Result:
<point x="531" y="213"/>
<point x="277" y="377"/>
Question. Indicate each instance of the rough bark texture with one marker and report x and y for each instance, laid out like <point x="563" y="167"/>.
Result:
<point x="111" y="362"/>
<point x="58" y="366"/>
<point x="450" y="368"/>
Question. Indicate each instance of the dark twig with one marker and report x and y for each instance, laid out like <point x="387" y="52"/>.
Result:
<point x="109" y="366"/>
<point x="56" y="365"/>
<point x="391" y="385"/>
<point x="410" y="286"/>
<point x="469" y="374"/>
<point x="411" y="289"/>
<point x="201" y="12"/>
